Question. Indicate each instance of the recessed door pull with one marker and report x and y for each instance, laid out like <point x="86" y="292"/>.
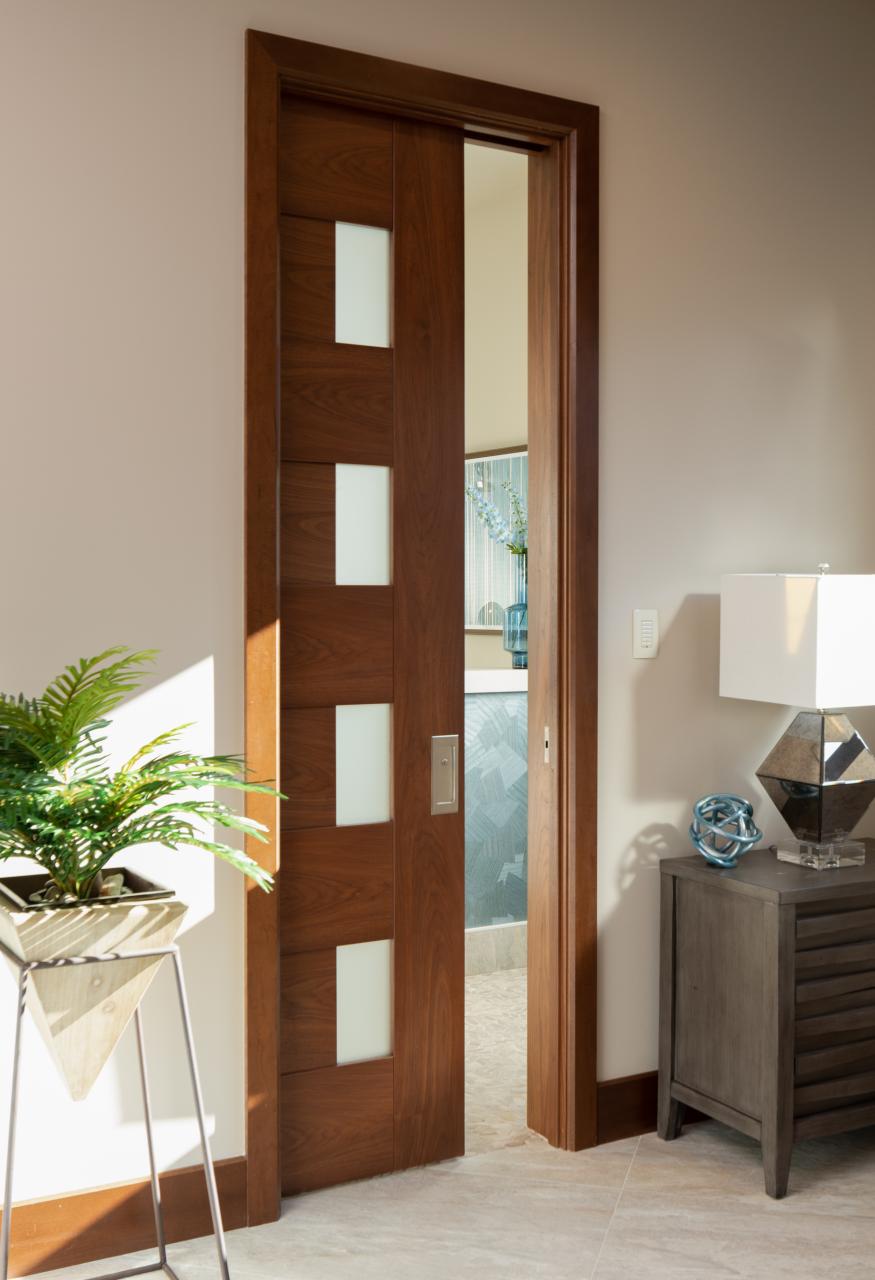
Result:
<point x="445" y="773"/>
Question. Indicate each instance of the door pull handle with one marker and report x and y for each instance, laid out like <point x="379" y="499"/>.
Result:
<point x="445" y="773"/>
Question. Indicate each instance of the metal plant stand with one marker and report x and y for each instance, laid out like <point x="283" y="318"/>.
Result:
<point x="161" y="1265"/>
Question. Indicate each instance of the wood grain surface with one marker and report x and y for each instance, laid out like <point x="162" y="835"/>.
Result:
<point x="307" y="267"/>
<point x="307" y="520"/>
<point x="337" y="645"/>
<point x="428" y="549"/>
<point x="308" y="1010"/>
<point x="262" y="623"/>
<point x="309" y="766"/>
<point x="336" y="1125"/>
<point x="336" y="403"/>
<point x="335" y="163"/>
<point x="336" y="887"/>
<point x="71" y="1229"/>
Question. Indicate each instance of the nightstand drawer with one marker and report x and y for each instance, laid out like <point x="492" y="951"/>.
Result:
<point x="844" y="991"/>
<point x="835" y="1061"/>
<point x="840" y="1091"/>
<point x="840" y="924"/>
<point x="847" y="957"/>
<point x="835" y="1028"/>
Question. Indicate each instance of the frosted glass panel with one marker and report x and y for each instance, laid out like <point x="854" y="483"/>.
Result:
<point x="364" y="1001"/>
<point x="361" y="285"/>
<point x="364" y="771"/>
<point x="362" y="532"/>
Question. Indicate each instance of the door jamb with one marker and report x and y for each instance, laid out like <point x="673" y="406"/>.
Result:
<point x="562" y="139"/>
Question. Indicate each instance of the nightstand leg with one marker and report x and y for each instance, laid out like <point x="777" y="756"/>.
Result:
<point x="671" y="1118"/>
<point x="777" y="1150"/>
<point x="778" y="1039"/>
<point x="670" y="1112"/>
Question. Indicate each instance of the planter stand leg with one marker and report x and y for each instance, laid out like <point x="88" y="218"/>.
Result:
<point x="150" y="1142"/>
<point x="162" y="1265"/>
<point x="209" y="1172"/>
<point x="23" y="975"/>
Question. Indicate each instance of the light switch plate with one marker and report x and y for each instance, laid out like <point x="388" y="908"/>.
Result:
<point x="645" y="633"/>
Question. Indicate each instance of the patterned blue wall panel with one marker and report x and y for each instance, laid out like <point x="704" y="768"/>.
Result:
<point x="496" y="808"/>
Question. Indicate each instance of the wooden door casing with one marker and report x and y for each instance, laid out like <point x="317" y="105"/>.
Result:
<point x="562" y="139"/>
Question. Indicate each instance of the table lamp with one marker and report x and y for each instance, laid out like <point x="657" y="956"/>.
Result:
<point x="807" y="640"/>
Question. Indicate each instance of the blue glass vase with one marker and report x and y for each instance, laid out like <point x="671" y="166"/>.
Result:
<point x="516" y="618"/>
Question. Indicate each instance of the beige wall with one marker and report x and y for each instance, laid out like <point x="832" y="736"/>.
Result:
<point x="486" y="653"/>
<point x="496" y="298"/>
<point x="737" y="402"/>
<point x="496" y="322"/>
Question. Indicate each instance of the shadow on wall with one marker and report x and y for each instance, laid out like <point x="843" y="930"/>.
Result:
<point x="212" y="888"/>
<point x="688" y="740"/>
<point x="685" y="741"/>
<point x="211" y="943"/>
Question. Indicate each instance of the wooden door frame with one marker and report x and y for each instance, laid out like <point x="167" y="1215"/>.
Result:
<point x="562" y="139"/>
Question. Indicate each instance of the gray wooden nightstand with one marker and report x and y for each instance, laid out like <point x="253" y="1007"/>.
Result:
<point x="767" y="1000"/>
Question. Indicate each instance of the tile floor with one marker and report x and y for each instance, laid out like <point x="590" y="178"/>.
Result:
<point x="513" y="1207"/>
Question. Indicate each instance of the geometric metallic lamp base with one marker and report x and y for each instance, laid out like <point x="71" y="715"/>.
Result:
<point x="822" y="857"/>
<point x="820" y="775"/>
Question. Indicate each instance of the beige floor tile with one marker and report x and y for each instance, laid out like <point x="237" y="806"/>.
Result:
<point x="420" y="1224"/>
<point x="534" y="1159"/>
<point x="495" y="1060"/>
<point x="659" y="1236"/>
<point x="515" y="1206"/>
<point x="696" y="1207"/>
<point x="642" y="1209"/>
<point x="828" y="1175"/>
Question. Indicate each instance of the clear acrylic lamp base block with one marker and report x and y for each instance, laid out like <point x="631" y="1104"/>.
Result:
<point x="823" y="857"/>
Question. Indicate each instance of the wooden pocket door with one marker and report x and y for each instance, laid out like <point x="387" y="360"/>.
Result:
<point x="371" y="660"/>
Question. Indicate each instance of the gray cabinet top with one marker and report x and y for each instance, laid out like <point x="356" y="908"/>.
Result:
<point x="759" y="874"/>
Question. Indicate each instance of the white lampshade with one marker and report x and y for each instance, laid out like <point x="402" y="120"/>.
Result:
<point x="804" y="639"/>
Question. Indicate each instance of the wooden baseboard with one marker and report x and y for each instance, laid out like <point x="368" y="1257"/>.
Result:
<point x="627" y="1107"/>
<point x="89" y="1225"/>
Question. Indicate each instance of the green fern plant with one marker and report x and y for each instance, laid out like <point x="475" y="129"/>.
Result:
<point x="61" y="807"/>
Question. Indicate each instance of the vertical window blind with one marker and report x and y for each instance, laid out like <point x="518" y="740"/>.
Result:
<point x="490" y="572"/>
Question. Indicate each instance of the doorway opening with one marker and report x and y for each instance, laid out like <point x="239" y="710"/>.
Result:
<point x="335" y="137"/>
<point x="496" y="644"/>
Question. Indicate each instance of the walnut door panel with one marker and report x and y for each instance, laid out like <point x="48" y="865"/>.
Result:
<point x="369" y="638"/>
<point x="308" y="1010"/>
<point x="336" y="1125"/>
<point x="336" y="163"/>
<point x="337" y="887"/>
<point x="308" y="755"/>
<point x="337" y="403"/>
<point x="307" y="279"/>
<point x="307" y="514"/>
<point x="337" y="646"/>
<point x="429" y="661"/>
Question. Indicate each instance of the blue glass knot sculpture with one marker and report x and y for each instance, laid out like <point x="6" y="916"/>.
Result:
<point x="723" y="829"/>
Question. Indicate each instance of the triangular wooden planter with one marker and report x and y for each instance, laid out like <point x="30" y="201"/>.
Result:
<point x="82" y="1010"/>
